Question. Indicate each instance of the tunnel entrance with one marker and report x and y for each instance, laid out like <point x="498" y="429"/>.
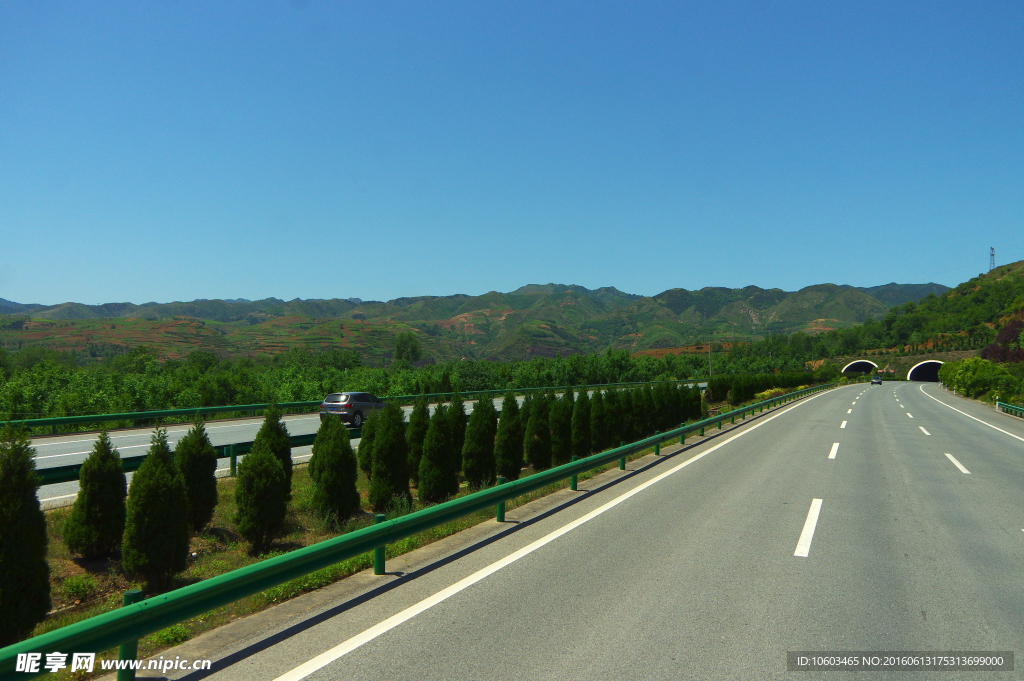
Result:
<point x="927" y="370"/>
<point x="860" y="366"/>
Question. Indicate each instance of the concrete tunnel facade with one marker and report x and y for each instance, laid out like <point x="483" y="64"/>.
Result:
<point x="862" y="366"/>
<point x="927" y="370"/>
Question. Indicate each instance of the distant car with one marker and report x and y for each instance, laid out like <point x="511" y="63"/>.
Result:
<point x="352" y="408"/>
<point x="875" y="380"/>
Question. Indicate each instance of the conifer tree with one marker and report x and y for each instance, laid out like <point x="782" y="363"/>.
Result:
<point x="478" y="449"/>
<point x="366" y="444"/>
<point x="275" y="433"/>
<point x="561" y="429"/>
<point x="156" y="532"/>
<point x="24" y="573"/>
<point x="598" y="423"/>
<point x="261" y="494"/>
<point x="96" y="523"/>
<point x="389" y="477"/>
<point x="537" y="439"/>
<point x="581" y="426"/>
<point x="613" y="419"/>
<point x="650" y="410"/>
<point x="439" y="474"/>
<point x="419" y="421"/>
<point x="508" y="442"/>
<point x="332" y="469"/>
<point x="196" y="458"/>
<point x="457" y="417"/>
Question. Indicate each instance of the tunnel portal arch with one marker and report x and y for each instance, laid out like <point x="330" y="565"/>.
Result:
<point x="927" y="370"/>
<point x="862" y="366"/>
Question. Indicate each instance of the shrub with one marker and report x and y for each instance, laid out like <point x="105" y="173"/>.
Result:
<point x="96" y="523"/>
<point x="366" y="444"/>
<point x="332" y="469"/>
<point x="439" y="473"/>
<point x="419" y="421"/>
<point x="389" y="477"/>
<point x="508" y="442"/>
<point x="581" y="426"/>
<point x="478" y="449"/>
<point x="79" y="587"/>
<point x="24" y="574"/>
<point x="275" y="434"/>
<point x="156" y="535"/>
<point x="196" y="458"/>
<point x="261" y="497"/>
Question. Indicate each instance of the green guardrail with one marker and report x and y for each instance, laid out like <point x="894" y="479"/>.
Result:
<point x="129" y="623"/>
<point x="1014" y="409"/>
<point x="137" y="416"/>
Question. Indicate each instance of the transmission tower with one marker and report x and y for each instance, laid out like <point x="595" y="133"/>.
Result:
<point x="991" y="258"/>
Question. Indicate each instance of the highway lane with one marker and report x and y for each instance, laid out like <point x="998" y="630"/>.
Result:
<point x="710" y="570"/>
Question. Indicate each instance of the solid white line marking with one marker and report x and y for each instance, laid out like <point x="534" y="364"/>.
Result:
<point x="803" y="545"/>
<point x="849" y="411"/>
<point x="54" y="456"/>
<point x="910" y="415"/>
<point x="835" y="449"/>
<point x="973" y="417"/>
<point x="325" y="658"/>
<point x="843" y="424"/>
<point x="958" y="465"/>
<point x="63" y="496"/>
<point x="924" y="431"/>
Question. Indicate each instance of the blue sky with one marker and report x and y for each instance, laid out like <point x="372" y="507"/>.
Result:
<point x="159" y="151"/>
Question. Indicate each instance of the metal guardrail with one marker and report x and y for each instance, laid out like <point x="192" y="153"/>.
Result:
<point x="136" y="416"/>
<point x="129" y="623"/>
<point x="1014" y="409"/>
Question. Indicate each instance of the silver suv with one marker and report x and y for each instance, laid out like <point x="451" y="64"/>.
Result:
<point x="352" y="408"/>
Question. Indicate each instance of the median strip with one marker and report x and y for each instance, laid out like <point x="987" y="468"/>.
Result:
<point x="803" y="545"/>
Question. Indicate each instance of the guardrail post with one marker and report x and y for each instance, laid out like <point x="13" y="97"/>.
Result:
<point x="501" y="504"/>
<point x="572" y="478"/>
<point x="378" y="553"/>
<point x="129" y="650"/>
<point x="657" y="445"/>
<point x="622" y="460"/>
<point x="682" y="436"/>
<point x="702" y="431"/>
<point x="233" y="459"/>
<point x="732" y="419"/>
<point x="719" y="424"/>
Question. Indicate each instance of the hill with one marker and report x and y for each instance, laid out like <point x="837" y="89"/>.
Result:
<point x="534" y="320"/>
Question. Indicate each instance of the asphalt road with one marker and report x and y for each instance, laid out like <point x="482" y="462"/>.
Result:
<point x="846" y="521"/>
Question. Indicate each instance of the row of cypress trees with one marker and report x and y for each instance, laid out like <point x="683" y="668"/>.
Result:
<point x="432" y="450"/>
